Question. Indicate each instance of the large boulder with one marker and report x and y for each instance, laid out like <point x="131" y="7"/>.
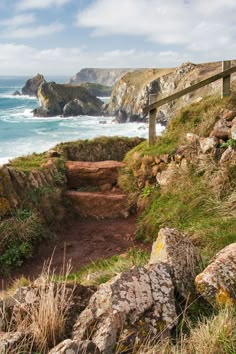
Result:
<point x="141" y="301"/>
<point x="55" y="97"/>
<point x="217" y="283"/>
<point x="32" y="85"/>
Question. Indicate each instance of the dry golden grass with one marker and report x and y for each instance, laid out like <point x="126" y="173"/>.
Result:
<point x="44" y="319"/>
<point x="216" y="335"/>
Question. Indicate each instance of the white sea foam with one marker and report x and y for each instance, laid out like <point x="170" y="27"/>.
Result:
<point x="18" y="97"/>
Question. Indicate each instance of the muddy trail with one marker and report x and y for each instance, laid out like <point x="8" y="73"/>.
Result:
<point x="81" y="241"/>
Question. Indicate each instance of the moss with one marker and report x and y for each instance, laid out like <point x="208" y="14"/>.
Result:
<point x="98" y="149"/>
<point x="29" y="162"/>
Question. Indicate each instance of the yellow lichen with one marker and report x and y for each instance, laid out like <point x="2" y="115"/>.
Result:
<point x="157" y="249"/>
<point x="223" y="297"/>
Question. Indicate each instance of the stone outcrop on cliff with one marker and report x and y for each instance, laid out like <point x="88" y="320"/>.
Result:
<point x="131" y="92"/>
<point x="67" y="100"/>
<point x="97" y="90"/>
<point x="99" y="76"/>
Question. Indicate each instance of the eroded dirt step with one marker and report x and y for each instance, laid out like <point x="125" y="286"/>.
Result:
<point x="81" y="241"/>
<point x="98" y="204"/>
<point x="80" y="173"/>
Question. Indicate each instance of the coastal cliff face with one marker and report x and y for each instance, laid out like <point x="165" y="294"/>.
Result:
<point x="67" y="100"/>
<point x="131" y="93"/>
<point x="99" y="76"/>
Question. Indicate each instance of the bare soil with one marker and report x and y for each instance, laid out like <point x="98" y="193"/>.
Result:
<point x="81" y="240"/>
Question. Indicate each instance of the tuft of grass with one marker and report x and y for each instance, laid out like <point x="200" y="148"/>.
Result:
<point x="29" y="162"/>
<point x="18" y="235"/>
<point x="44" y="320"/>
<point x="102" y="270"/>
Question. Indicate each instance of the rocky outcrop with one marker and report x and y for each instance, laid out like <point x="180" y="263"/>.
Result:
<point x="141" y="301"/>
<point x="56" y="99"/>
<point x="131" y="92"/>
<point x="106" y="77"/>
<point x="217" y="283"/>
<point x="32" y="85"/>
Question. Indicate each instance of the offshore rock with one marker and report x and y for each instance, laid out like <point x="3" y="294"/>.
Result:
<point x="217" y="283"/>
<point x="57" y="99"/>
<point x="32" y="85"/>
<point x="141" y="301"/>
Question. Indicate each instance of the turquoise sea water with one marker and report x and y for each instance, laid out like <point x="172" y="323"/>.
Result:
<point x="21" y="133"/>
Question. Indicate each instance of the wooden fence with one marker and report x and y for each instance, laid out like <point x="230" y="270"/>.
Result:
<point x="154" y="104"/>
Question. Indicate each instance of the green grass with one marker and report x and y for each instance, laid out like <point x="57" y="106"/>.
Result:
<point x="102" y="270"/>
<point x="28" y="163"/>
<point x="18" y="235"/>
<point x="200" y="203"/>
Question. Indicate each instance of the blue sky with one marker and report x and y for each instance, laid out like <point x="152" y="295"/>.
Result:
<point x="59" y="37"/>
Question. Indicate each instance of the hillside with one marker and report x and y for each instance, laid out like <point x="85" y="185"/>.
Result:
<point x="131" y="92"/>
<point x="107" y="77"/>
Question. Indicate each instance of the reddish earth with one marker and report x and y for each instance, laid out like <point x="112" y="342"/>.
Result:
<point x="82" y="241"/>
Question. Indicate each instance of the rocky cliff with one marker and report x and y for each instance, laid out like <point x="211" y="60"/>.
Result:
<point x="67" y="100"/>
<point x="97" y="90"/>
<point x="99" y="76"/>
<point x="131" y="93"/>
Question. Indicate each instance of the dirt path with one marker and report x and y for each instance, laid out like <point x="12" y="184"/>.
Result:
<point x="82" y="241"/>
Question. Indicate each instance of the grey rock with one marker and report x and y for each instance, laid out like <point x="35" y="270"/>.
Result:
<point x="69" y="346"/>
<point x="32" y="85"/>
<point x="217" y="283"/>
<point x="16" y="93"/>
<point x="141" y="295"/>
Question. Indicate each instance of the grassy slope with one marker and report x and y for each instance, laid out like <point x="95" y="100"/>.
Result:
<point x="196" y="201"/>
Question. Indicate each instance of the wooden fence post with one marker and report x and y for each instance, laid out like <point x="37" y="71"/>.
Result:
<point x="226" y="80"/>
<point x="152" y="121"/>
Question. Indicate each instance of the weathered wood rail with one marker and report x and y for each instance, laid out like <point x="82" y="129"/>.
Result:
<point x="153" y="104"/>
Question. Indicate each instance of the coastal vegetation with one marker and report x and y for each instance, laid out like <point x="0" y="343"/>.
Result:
<point x="185" y="182"/>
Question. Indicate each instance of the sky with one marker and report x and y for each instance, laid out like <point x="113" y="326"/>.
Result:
<point x="60" y="37"/>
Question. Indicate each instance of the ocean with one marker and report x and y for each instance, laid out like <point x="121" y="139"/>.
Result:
<point x="22" y="134"/>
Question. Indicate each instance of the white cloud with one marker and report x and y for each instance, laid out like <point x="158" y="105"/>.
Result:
<point x="39" y="4"/>
<point x="32" y="32"/>
<point x="26" y="60"/>
<point x="204" y="26"/>
<point x="18" y="20"/>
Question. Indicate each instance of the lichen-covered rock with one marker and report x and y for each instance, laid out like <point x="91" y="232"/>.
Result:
<point x="32" y="85"/>
<point x="207" y="144"/>
<point x="69" y="346"/>
<point x="12" y="342"/>
<point x="217" y="283"/>
<point x="54" y="97"/>
<point x="228" y="157"/>
<point x="221" y="129"/>
<point x="177" y="251"/>
<point x="142" y="300"/>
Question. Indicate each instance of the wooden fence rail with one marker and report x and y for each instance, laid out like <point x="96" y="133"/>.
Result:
<point x="152" y="107"/>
